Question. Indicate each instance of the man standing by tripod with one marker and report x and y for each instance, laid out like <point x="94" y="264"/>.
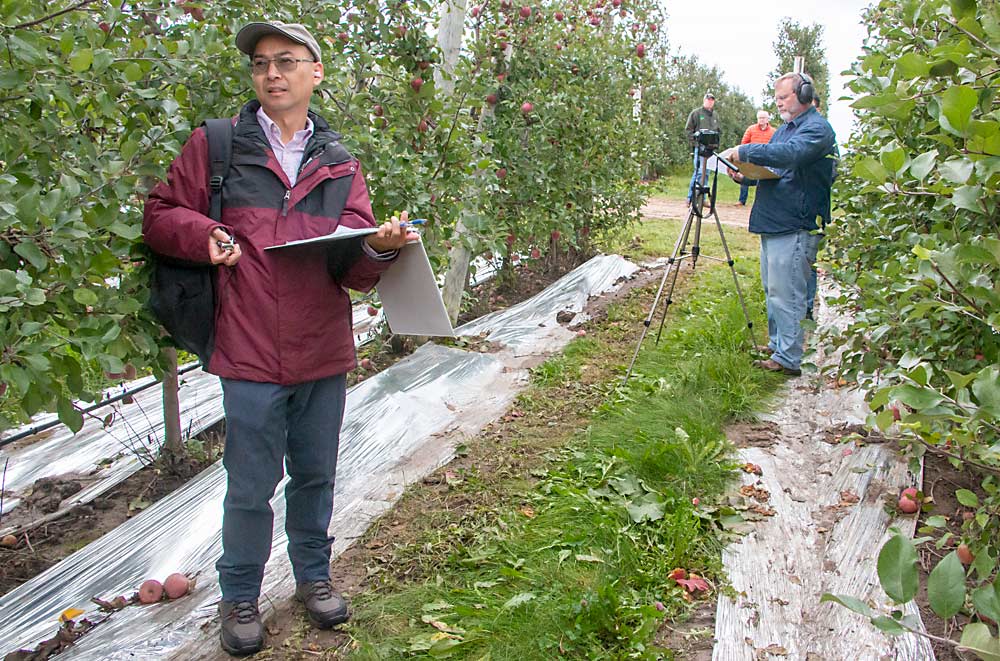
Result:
<point x="700" y="119"/>
<point x="785" y="213"/>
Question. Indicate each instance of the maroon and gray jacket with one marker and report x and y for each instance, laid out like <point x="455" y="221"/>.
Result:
<point x="280" y="316"/>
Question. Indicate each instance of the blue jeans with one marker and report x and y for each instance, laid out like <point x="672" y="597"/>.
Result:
<point x="744" y="192"/>
<point x="785" y="264"/>
<point x="695" y="176"/>
<point x="811" y="290"/>
<point x="268" y="427"/>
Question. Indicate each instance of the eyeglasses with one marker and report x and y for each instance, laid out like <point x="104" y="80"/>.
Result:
<point x="285" y="64"/>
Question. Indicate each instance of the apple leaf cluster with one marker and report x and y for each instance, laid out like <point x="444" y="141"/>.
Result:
<point x="917" y="250"/>
<point x="795" y="40"/>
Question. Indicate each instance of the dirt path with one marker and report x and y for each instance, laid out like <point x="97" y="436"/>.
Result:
<point x="661" y="207"/>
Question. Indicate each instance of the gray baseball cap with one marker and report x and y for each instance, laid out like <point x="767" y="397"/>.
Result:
<point x="250" y="34"/>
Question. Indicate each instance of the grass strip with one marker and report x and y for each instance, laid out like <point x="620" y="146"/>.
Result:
<point x="568" y="553"/>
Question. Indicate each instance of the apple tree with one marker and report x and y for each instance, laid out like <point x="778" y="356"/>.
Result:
<point x="917" y="250"/>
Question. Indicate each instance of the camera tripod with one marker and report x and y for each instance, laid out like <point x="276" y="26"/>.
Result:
<point x="694" y="219"/>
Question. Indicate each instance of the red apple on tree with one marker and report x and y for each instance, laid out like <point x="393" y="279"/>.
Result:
<point x="535" y="253"/>
<point x="474" y="12"/>
<point x="502" y="173"/>
<point x="104" y="26"/>
<point x="558" y="16"/>
<point x="342" y="36"/>
<point x="423" y="64"/>
<point x="526" y="107"/>
<point x="378" y="111"/>
<point x="525" y="12"/>
<point x="491" y="99"/>
<point x="416" y="84"/>
<point x="555" y="235"/>
<point x="640" y="50"/>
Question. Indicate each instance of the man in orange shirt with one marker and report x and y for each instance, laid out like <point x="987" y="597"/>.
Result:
<point x="760" y="132"/>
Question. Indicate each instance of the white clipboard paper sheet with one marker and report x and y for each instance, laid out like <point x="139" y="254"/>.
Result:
<point x="411" y="300"/>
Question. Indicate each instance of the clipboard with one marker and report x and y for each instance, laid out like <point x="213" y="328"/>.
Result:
<point x="748" y="170"/>
<point x="411" y="300"/>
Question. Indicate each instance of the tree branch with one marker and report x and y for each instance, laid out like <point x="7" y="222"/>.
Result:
<point x="38" y="21"/>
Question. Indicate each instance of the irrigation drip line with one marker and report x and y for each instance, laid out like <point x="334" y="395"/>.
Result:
<point x="31" y="431"/>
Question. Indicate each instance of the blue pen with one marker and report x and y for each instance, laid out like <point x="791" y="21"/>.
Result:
<point x="415" y="221"/>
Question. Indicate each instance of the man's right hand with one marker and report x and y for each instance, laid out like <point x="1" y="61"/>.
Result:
<point x="222" y="248"/>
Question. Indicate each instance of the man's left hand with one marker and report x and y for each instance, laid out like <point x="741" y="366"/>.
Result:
<point x="732" y="155"/>
<point x="392" y="234"/>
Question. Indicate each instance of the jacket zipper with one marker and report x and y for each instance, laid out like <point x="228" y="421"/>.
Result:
<point x="284" y="203"/>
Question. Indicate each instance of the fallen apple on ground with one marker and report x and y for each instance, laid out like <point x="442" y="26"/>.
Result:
<point x="151" y="591"/>
<point x="908" y="501"/>
<point x="176" y="585"/>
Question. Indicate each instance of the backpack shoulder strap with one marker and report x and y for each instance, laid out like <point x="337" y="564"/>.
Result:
<point x="220" y="154"/>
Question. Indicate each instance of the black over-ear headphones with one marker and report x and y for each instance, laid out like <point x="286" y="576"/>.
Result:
<point x="804" y="90"/>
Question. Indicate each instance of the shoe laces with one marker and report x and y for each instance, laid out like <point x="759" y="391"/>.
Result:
<point x="322" y="590"/>
<point x="244" y="612"/>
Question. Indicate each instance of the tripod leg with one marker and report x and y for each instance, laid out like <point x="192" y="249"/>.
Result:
<point x="672" y="267"/>
<point x="694" y="218"/>
<point x="736" y="280"/>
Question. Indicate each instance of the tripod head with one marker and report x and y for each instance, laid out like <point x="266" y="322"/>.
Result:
<point x="706" y="142"/>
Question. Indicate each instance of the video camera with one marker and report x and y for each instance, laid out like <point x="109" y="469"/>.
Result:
<point x="707" y="140"/>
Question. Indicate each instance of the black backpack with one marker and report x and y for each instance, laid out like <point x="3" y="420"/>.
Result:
<point x="182" y="293"/>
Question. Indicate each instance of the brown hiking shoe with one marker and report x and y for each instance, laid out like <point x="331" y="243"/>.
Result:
<point x="772" y="365"/>
<point x="325" y="607"/>
<point x="242" y="631"/>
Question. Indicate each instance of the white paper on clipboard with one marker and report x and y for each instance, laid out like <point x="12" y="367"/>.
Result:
<point x="411" y="300"/>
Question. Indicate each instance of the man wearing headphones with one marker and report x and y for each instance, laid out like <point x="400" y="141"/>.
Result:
<point x="785" y="213"/>
<point x="283" y="339"/>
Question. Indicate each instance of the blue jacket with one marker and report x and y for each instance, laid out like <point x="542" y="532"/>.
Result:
<point x="802" y="152"/>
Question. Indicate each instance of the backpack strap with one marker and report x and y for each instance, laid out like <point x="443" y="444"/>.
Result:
<point x="220" y="153"/>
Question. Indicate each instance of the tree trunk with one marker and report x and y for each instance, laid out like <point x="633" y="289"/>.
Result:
<point x="173" y="446"/>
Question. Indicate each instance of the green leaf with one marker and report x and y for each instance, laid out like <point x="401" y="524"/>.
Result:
<point x="32" y="253"/>
<point x="518" y="600"/>
<point x="916" y="397"/>
<point x="912" y="65"/>
<point x="967" y="498"/>
<point x="957" y="104"/>
<point x="870" y="169"/>
<point x="888" y="625"/>
<point x="849" y="602"/>
<point x="946" y="586"/>
<point x="897" y="569"/>
<point x="956" y="170"/>
<point x="69" y="415"/>
<point x="84" y="296"/>
<point x="81" y="60"/>
<point x="967" y="197"/>
<point x="986" y="388"/>
<point x="922" y="164"/>
<point x="976" y="638"/>
<point x="894" y="159"/>
<point x="962" y="8"/>
<point x="986" y="599"/>
<point x="647" y="508"/>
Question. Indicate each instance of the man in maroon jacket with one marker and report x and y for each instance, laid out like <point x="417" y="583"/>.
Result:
<point x="283" y="341"/>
